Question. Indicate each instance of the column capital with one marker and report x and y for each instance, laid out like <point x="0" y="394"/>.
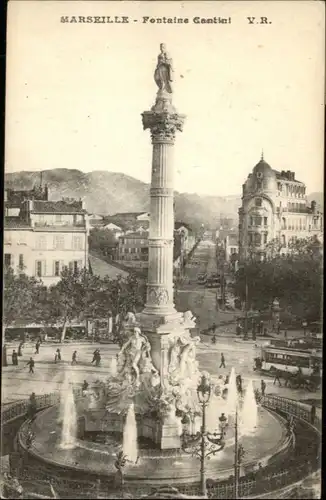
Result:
<point x="163" y="125"/>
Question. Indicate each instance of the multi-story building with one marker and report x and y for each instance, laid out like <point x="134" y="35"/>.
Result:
<point x="274" y="208"/>
<point x="44" y="236"/>
<point x="133" y="249"/>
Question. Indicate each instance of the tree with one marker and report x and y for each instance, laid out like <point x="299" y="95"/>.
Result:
<point x="69" y="299"/>
<point x="295" y="279"/>
<point x="21" y="294"/>
<point x="102" y="240"/>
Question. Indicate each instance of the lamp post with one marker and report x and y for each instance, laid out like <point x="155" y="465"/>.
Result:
<point x="238" y="456"/>
<point x="202" y="444"/>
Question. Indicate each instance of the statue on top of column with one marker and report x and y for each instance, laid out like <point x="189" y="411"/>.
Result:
<point x="163" y="74"/>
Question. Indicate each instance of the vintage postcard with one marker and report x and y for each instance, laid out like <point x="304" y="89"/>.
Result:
<point x="163" y="246"/>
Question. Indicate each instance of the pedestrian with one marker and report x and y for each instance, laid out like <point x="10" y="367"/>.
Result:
<point x="222" y="365"/>
<point x="277" y="378"/>
<point x="285" y="332"/>
<point x="312" y="414"/>
<point x="238" y="329"/>
<point x="57" y="356"/>
<point x="31" y="364"/>
<point x="85" y="386"/>
<point x="261" y="327"/>
<point x="278" y="328"/>
<point x="95" y="353"/>
<point x="263" y="387"/>
<point x="74" y="358"/>
<point x="98" y="358"/>
<point x="37" y="347"/>
<point x="20" y="347"/>
<point x="214" y="328"/>
<point x="14" y="358"/>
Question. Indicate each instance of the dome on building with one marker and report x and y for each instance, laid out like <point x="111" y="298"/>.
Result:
<point x="264" y="168"/>
<point x="263" y="176"/>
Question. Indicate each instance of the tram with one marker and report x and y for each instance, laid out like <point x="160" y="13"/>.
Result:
<point x="290" y="360"/>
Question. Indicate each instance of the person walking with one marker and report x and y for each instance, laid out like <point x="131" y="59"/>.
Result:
<point x="261" y="327"/>
<point x="214" y="328"/>
<point x="238" y="329"/>
<point x="20" y="348"/>
<point x="312" y="414"/>
<point x="31" y="364"/>
<point x="57" y="356"/>
<point x="239" y="383"/>
<point x="98" y="358"/>
<point x="222" y="365"/>
<point x="74" y="358"/>
<point x="95" y="354"/>
<point x="277" y="378"/>
<point x="263" y="387"/>
<point x="14" y="358"/>
<point x="37" y="347"/>
<point x="285" y="332"/>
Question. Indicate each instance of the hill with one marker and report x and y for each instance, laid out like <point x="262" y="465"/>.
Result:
<point x="111" y="192"/>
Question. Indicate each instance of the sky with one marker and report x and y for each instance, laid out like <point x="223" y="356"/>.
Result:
<point x="75" y="92"/>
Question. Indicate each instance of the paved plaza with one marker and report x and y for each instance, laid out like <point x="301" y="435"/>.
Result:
<point x="18" y="384"/>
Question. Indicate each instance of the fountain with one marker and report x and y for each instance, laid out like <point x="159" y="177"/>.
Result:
<point x="113" y="366"/>
<point x="232" y="396"/>
<point x="156" y="373"/>
<point x="249" y="411"/>
<point x="69" y="416"/>
<point x="130" y="447"/>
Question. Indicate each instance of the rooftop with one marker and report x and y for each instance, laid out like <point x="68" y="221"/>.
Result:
<point x="141" y="235"/>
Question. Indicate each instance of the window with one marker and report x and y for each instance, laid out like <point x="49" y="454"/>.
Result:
<point x="258" y="221"/>
<point x="77" y="243"/>
<point x="250" y="238"/>
<point x="41" y="243"/>
<point x="7" y="238"/>
<point x="283" y="240"/>
<point x="251" y="221"/>
<point x="258" y="202"/>
<point x="57" y="268"/>
<point x="265" y="221"/>
<point x="133" y="250"/>
<point x="38" y="270"/>
<point x="257" y="239"/>
<point x="265" y="238"/>
<point x="21" y="261"/>
<point x="283" y="223"/>
<point x="8" y="260"/>
<point x="59" y="242"/>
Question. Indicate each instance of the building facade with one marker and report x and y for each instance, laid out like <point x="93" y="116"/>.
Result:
<point x="274" y="209"/>
<point x="133" y="249"/>
<point x="45" y="236"/>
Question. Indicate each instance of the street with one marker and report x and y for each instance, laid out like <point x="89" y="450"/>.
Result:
<point x="18" y="384"/>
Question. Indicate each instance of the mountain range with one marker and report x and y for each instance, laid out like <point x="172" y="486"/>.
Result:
<point x="107" y="193"/>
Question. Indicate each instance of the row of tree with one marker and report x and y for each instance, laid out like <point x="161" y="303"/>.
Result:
<point x="295" y="279"/>
<point x="78" y="296"/>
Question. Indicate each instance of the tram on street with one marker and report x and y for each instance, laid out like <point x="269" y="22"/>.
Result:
<point x="290" y="360"/>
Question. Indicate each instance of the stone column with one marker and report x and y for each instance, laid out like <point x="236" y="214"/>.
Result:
<point x="163" y="122"/>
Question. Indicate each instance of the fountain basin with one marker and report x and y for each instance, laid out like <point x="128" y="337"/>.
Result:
<point x="154" y="466"/>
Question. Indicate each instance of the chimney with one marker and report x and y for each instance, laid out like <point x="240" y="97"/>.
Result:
<point x="313" y="206"/>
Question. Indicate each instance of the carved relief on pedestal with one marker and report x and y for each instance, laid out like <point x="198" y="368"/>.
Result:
<point x="158" y="295"/>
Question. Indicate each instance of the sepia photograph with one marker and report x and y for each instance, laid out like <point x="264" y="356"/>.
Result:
<point x="163" y="250"/>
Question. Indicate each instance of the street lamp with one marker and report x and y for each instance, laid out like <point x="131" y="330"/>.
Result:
<point x="239" y="453"/>
<point x="202" y="444"/>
